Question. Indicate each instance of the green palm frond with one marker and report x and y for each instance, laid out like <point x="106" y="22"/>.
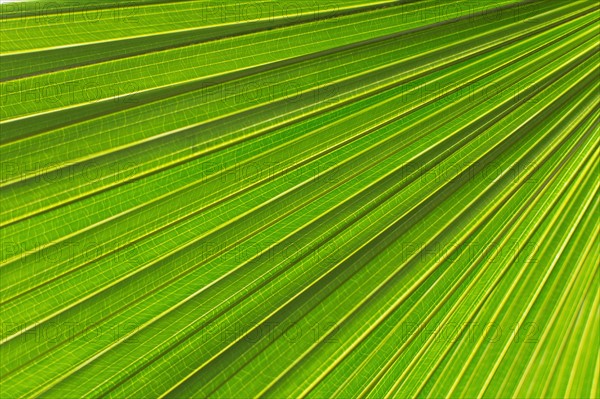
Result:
<point x="327" y="199"/>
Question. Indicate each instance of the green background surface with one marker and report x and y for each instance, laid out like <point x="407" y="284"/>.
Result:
<point x="285" y="199"/>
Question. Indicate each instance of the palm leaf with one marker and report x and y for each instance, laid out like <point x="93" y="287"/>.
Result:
<point x="290" y="199"/>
